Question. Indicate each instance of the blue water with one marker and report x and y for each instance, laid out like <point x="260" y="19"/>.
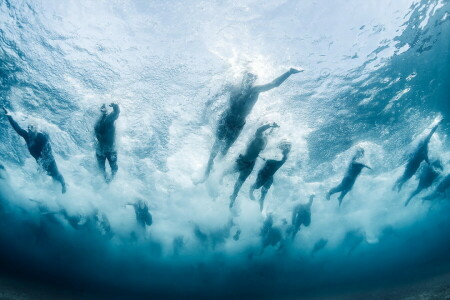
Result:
<point x="376" y="76"/>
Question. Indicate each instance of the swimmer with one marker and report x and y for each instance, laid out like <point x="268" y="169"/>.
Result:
<point x="232" y="120"/>
<point x="38" y="144"/>
<point x="246" y="162"/>
<point x="301" y="216"/>
<point x="428" y="174"/>
<point x="265" y="175"/>
<point x="353" y="171"/>
<point x="420" y="154"/>
<point x="105" y="132"/>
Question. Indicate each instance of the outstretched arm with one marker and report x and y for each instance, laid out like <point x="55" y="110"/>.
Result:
<point x="265" y="127"/>
<point x="277" y="82"/>
<point x="15" y="126"/>
<point x="427" y="139"/>
<point x="115" y="114"/>
<point x="366" y="166"/>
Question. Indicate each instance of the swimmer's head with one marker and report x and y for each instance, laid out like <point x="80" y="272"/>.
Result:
<point x="141" y="204"/>
<point x="103" y="109"/>
<point x="285" y="147"/>
<point x="359" y="153"/>
<point x="32" y="129"/>
<point x="249" y="79"/>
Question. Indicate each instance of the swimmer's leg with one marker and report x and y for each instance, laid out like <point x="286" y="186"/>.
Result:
<point x="112" y="160"/>
<point x="229" y="140"/>
<point x="334" y="190"/>
<point x="342" y="195"/>
<point x="264" y="191"/>
<point x="214" y="151"/>
<point x="101" y="160"/>
<point x="410" y="170"/>
<point x="52" y="170"/>
<point x="237" y="186"/>
<point x="432" y="196"/>
<point x="252" y="190"/>
<point x="413" y="194"/>
<point x="399" y="183"/>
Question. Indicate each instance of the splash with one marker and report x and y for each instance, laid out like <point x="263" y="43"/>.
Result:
<point x="375" y="80"/>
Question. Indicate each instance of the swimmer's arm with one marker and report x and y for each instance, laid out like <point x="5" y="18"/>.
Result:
<point x="277" y="82"/>
<point x="22" y="132"/>
<point x="366" y="166"/>
<point x="266" y="126"/>
<point x="432" y="131"/>
<point x="116" y="111"/>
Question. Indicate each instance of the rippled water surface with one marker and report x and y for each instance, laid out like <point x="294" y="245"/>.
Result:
<point x="376" y="76"/>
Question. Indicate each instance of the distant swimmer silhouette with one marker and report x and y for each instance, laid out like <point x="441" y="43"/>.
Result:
<point x="242" y="99"/>
<point x="417" y="156"/>
<point x="441" y="190"/>
<point x="95" y="222"/>
<point x="143" y="216"/>
<point x="2" y="171"/>
<point x="353" y="171"/>
<point x="38" y="144"/>
<point x="270" y="235"/>
<point x="246" y="162"/>
<point x="265" y="175"/>
<point x="428" y="174"/>
<point x="105" y="132"/>
<point x="319" y="245"/>
<point x="301" y="215"/>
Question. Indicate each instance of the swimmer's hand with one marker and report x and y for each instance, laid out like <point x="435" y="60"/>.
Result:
<point x="7" y="113"/>
<point x="113" y="104"/>
<point x="295" y="71"/>
<point x="274" y="125"/>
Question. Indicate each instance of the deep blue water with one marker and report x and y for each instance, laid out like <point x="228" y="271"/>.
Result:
<point x="376" y="76"/>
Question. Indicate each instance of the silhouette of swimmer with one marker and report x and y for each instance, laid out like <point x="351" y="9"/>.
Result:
<point x="237" y="235"/>
<point x="265" y="175"/>
<point x="38" y="144"/>
<point x="301" y="216"/>
<point x="420" y="154"/>
<point x="353" y="239"/>
<point x="428" y="174"/>
<point x="211" y="239"/>
<point x="105" y="132"/>
<point x="319" y="245"/>
<point x="48" y="222"/>
<point x="440" y="191"/>
<point x="102" y="224"/>
<point x="270" y="235"/>
<point x="143" y="215"/>
<point x="353" y="171"/>
<point x="246" y="162"/>
<point x="232" y="120"/>
<point x="2" y="172"/>
<point x="95" y="222"/>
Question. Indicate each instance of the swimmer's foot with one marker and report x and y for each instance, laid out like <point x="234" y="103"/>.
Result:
<point x="252" y="197"/>
<point x="232" y="199"/>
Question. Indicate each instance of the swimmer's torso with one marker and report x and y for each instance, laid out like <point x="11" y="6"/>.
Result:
<point x="38" y="146"/>
<point x="256" y="146"/>
<point x="105" y="132"/>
